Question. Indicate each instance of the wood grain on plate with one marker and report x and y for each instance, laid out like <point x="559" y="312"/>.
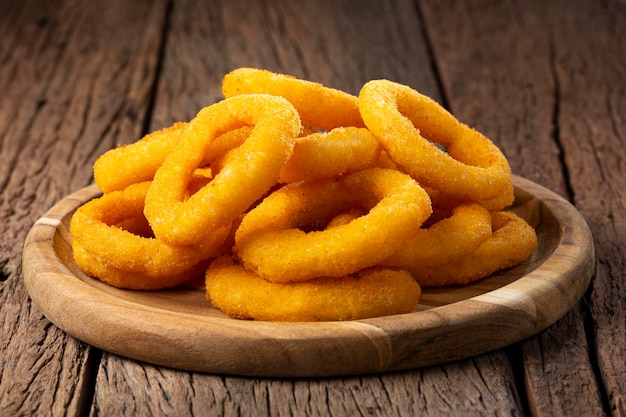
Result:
<point x="180" y="329"/>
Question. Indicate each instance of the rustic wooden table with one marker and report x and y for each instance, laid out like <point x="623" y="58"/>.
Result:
<point x="545" y="80"/>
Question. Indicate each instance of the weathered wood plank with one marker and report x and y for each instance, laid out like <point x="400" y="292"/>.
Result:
<point x="473" y="386"/>
<point x="590" y="70"/>
<point x="76" y="81"/>
<point x="539" y="63"/>
<point x="341" y="44"/>
<point x="494" y="59"/>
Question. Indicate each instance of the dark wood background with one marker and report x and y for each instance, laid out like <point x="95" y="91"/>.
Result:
<point x="545" y="80"/>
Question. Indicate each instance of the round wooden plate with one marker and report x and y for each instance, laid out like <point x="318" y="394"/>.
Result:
<point x="180" y="329"/>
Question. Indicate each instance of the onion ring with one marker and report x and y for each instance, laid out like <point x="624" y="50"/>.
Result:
<point x="131" y="280"/>
<point x="252" y="169"/>
<point x="473" y="168"/>
<point x="318" y="154"/>
<point x="118" y="168"/>
<point x="318" y="106"/>
<point x="129" y="164"/>
<point x="512" y="242"/>
<point x="498" y="203"/>
<point x="328" y="154"/>
<point x="502" y="201"/>
<point x="95" y="227"/>
<point x="370" y="293"/>
<point x="345" y="217"/>
<point x="446" y="240"/>
<point x="269" y="240"/>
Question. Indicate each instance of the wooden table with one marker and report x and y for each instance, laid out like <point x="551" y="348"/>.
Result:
<point x="545" y="80"/>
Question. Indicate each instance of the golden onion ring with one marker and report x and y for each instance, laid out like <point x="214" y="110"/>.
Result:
<point x="370" y="293"/>
<point x="270" y="240"/>
<point x="318" y="106"/>
<point x="512" y="242"/>
<point x="446" y="240"/>
<point x="252" y="168"/>
<point x="328" y="154"/>
<point x="95" y="227"/>
<point x="407" y="123"/>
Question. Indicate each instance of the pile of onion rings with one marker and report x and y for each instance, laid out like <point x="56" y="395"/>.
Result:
<point x="299" y="202"/>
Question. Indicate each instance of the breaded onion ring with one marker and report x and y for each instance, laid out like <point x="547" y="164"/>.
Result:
<point x="270" y="240"/>
<point x="345" y="217"/>
<point x="370" y="293"/>
<point x="499" y="203"/>
<point x="406" y="122"/>
<point x="131" y="280"/>
<point x="321" y="154"/>
<point x="252" y="168"/>
<point x="129" y="164"/>
<point x="96" y="228"/>
<point x="118" y="168"/>
<point x="512" y="242"/>
<point x="446" y="240"/>
<point x="318" y="106"/>
<point x="328" y="154"/>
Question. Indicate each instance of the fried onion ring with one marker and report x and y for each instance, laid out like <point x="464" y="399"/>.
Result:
<point x="345" y="217"/>
<point x="129" y="164"/>
<point x="270" y="241"/>
<point x="118" y="168"/>
<point x="499" y="203"/>
<point x="96" y="228"/>
<point x="318" y="106"/>
<point x="370" y="293"/>
<point x="446" y="240"/>
<point x="131" y="280"/>
<point x="252" y="170"/>
<point x="512" y="242"/>
<point x="328" y="154"/>
<point x="406" y="122"/>
<point x="319" y="154"/>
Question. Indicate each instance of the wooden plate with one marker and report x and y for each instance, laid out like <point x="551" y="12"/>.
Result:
<point x="180" y="329"/>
